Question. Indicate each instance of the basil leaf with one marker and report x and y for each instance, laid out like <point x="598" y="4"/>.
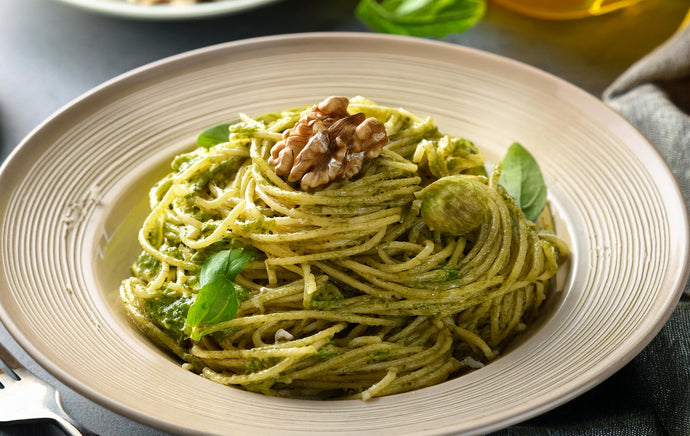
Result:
<point x="214" y="135"/>
<point x="218" y="300"/>
<point x="435" y="18"/>
<point x="226" y="264"/>
<point x="523" y="180"/>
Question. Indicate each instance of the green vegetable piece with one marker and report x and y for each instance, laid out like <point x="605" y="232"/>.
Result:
<point x="214" y="135"/>
<point x="435" y="18"/>
<point x="218" y="299"/>
<point x="326" y="297"/>
<point x="454" y="204"/>
<point x="328" y="351"/>
<point x="523" y="180"/>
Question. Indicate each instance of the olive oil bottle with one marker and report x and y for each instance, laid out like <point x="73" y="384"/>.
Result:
<point x="564" y="9"/>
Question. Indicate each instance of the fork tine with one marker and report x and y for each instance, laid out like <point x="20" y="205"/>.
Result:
<point x="68" y="424"/>
<point x="6" y="380"/>
<point x="8" y="367"/>
<point x="52" y="406"/>
<point x="9" y="360"/>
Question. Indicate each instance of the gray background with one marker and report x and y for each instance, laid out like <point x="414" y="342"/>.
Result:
<point x="51" y="53"/>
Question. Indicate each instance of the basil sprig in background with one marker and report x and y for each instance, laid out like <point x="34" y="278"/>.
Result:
<point x="435" y="18"/>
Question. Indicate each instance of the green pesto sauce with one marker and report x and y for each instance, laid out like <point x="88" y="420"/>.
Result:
<point x="450" y="274"/>
<point x="379" y="355"/>
<point x="261" y="225"/>
<point x="169" y="313"/>
<point x="326" y="297"/>
<point x="328" y="351"/>
<point x="147" y="265"/>
<point x="255" y="364"/>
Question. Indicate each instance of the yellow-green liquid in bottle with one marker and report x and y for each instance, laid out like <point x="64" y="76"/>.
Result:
<point x="564" y="9"/>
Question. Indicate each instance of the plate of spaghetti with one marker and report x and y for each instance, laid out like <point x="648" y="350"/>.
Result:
<point x="167" y="9"/>
<point x="337" y="234"/>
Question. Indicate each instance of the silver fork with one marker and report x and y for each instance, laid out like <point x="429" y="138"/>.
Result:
<point x="25" y="397"/>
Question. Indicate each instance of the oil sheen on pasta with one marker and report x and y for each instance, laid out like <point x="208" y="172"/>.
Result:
<point x="349" y="293"/>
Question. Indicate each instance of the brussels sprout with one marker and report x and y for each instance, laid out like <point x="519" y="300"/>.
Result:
<point x="454" y="204"/>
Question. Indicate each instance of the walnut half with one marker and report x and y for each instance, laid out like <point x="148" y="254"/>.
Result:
<point x="327" y="144"/>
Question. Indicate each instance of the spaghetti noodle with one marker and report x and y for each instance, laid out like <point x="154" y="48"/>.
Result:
<point x="349" y="292"/>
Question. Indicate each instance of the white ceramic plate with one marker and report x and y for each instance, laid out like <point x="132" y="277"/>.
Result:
<point x="74" y="194"/>
<point x="164" y="11"/>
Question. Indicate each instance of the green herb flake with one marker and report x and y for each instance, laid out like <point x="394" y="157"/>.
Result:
<point x="327" y="352"/>
<point x="450" y="274"/>
<point x="379" y="355"/>
<point x="326" y="297"/>
<point x="172" y="251"/>
<point x="523" y="180"/>
<point x="243" y="294"/>
<point x="435" y="18"/>
<point x="253" y="365"/>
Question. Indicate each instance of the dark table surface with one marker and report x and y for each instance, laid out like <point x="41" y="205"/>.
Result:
<point x="51" y="53"/>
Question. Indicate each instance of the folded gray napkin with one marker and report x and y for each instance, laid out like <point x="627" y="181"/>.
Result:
<point x="651" y="395"/>
<point x="654" y="95"/>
